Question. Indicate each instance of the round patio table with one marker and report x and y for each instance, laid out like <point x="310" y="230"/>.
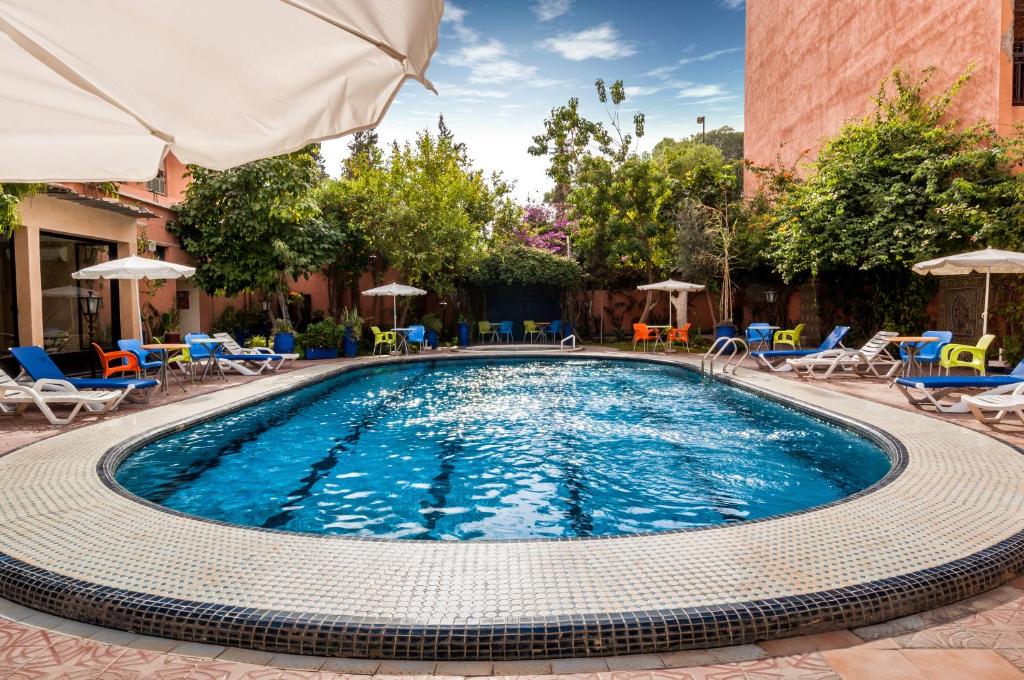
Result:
<point x="543" y="327"/>
<point x="164" y="349"/>
<point x="213" y="346"/>
<point x="660" y="329"/>
<point x="912" y="344"/>
<point x="403" y="343"/>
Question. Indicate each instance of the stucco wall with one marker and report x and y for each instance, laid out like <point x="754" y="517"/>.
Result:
<point x="811" y="65"/>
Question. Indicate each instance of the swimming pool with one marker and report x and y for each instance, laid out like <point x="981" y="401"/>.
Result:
<point x="505" y="449"/>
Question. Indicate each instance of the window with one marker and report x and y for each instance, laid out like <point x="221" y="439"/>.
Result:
<point x="158" y="185"/>
<point x="1018" y="52"/>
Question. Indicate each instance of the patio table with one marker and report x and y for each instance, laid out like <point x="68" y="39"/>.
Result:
<point x="542" y="326"/>
<point x="912" y="344"/>
<point x="767" y="340"/>
<point x="660" y="330"/>
<point x="164" y="349"/>
<point x="213" y="345"/>
<point x="403" y="343"/>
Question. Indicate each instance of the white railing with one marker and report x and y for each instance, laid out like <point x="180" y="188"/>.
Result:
<point x="572" y="337"/>
<point x="718" y="347"/>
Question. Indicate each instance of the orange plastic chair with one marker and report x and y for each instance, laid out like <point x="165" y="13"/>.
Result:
<point x="680" y="335"/>
<point x="641" y="333"/>
<point x="111" y="362"/>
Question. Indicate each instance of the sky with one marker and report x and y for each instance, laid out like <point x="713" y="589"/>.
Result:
<point x="502" y="65"/>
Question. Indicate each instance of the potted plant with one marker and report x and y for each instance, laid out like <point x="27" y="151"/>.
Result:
<point x="463" y="331"/>
<point x="322" y="339"/>
<point x="169" y="324"/>
<point x="353" y="325"/>
<point x="432" y="324"/>
<point x="283" y="336"/>
<point x="257" y="341"/>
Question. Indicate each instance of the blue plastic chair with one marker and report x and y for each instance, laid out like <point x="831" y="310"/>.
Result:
<point x="760" y="334"/>
<point x="147" y="360"/>
<point x="37" y="364"/>
<point x="505" y="330"/>
<point x="931" y="352"/>
<point x="417" y="335"/>
<point x="554" y="330"/>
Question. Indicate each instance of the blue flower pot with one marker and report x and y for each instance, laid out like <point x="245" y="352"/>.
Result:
<point x="321" y="353"/>
<point x="284" y="343"/>
<point x="350" y="345"/>
<point x="463" y="334"/>
<point x="432" y="338"/>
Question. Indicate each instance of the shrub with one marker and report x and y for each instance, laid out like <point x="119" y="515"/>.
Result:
<point x="324" y="334"/>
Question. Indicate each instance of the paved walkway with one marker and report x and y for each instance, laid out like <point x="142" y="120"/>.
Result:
<point x="978" y="638"/>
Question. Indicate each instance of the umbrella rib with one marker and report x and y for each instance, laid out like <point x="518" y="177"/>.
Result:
<point x="46" y="58"/>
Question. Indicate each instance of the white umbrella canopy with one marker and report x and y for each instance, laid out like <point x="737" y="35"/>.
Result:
<point x="102" y="90"/>
<point x="988" y="261"/>
<point x="672" y="286"/>
<point x="395" y="290"/>
<point x="135" y="268"/>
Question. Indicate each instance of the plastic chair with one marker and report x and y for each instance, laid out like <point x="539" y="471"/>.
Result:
<point x="531" y="331"/>
<point x="790" y="337"/>
<point x="641" y="333"/>
<point x="417" y="335"/>
<point x="505" y="330"/>
<point x="952" y="356"/>
<point x="118" y="362"/>
<point x="758" y="333"/>
<point x="554" y="330"/>
<point x="147" y="360"/>
<point x="383" y="339"/>
<point x="929" y="352"/>
<point x="486" y="329"/>
<point x="680" y="335"/>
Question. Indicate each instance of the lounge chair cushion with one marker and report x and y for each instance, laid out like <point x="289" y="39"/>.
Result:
<point x="38" y="364"/>
<point x="251" y="357"/>
<point x="778" y="353"/>
<point x="111" y="383"/>
<point x="939" y="382"/>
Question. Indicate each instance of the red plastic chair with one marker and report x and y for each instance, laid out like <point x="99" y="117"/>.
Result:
<point x="680" y="335"/>
<point x="111" y="362"/>
<point x="641" y="333"/>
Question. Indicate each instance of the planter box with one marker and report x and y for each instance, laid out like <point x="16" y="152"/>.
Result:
<point x="314" y="353"/>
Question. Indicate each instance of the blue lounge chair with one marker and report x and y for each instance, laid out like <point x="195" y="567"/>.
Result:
<point x="246" y="364"/>
<point x="933" y="389"/>
<point x="930" y="352"/>
<point x="149" y="361"/>
<point x="775" y="359"/>
<point x="37" y="364"/>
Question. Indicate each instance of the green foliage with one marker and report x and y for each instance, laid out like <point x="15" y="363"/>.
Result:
<point x="324" y="334"/>
<point x="431" y="322"/>
<point x="257" y="341"/>
<point x="350" y="318"/>
<point x="239" y="321"/>
<point x="904" y="184"/>
<point x="10" y="196"/>
<point x="516" y="264"/>
<point x="726" y="139"/>
<point x="249" y="227"/>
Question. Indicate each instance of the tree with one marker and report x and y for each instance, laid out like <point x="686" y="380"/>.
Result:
<point x="250" y="227"/>
<point x="10" y="196"/>
<point x="726" y="139"/>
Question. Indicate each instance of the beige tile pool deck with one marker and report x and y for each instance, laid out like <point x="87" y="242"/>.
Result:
<point x="960" y="493"/>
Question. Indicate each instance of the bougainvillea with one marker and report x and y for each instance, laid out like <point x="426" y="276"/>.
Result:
<point x="545" y="228"/>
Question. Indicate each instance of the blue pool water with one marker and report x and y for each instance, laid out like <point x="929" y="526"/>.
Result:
<point x="518" y="448"/>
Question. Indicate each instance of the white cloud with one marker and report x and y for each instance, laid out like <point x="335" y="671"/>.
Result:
<point x="454" y="90"/>
<point x="599" y="42"/>
<point x="643" y="90"/>
<point x="733" y="4"/>
<point x="500" y="71"/>
<point x="701" y="92"/>
<point x="708" y="56"/>
<point x="546" y="10"/>
<point x="663" y="72"/>
<point x="455" y="17"/>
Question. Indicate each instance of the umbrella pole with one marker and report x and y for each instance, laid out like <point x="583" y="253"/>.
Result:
<point x="984" y="316"/>
<point x="394" y="312"/>
<point x="138" y="308"/>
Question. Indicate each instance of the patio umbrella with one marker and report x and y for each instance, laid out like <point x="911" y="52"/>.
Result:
<point x="395" y="290"/>
<point x="102" y="90"/>
<point x="672" y="286"/>
<point x="135" y="268"/>
<point x="989" y="261"/>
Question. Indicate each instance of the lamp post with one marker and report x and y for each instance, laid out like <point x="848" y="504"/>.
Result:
<point x="444" y="319"/>
<point x="700" y="121"/>
<point x="89" y="307"/>
<point x="769" y="297"/>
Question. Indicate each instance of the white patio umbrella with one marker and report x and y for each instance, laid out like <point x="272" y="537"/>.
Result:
<point x="395" y="290"/>
<point x="989" y="261"/>
<point x="672" y="286"/>
<point x="102" y="90"/>
<point x="135" y="268"/>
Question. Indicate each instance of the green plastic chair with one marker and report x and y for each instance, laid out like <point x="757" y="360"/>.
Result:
<point x="486" y="329"/>
<point x="966" y="356"/>
<point x="383" y="339"/>
<point x="790" y="337"/>
<point x="531" y="331"/>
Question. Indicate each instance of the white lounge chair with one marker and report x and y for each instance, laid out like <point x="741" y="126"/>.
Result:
<point x="865" y="361"/>
<point x="232" y="347"/>
<point x="15" y="398"/>
<point x="1002" y="404"/>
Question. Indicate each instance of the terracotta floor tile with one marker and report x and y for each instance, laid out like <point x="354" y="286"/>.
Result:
<point x="717" y="672"/>
<point x="946" y="664"/>
<point x="71" y="660"/>
<point x="136" y="664"/>
<point x="810" y="666"/>
<point x="802" y="644"/>
<point x="857" y="663"/>
<point x="1014" y="656"/>
<point x="229" y="670"/>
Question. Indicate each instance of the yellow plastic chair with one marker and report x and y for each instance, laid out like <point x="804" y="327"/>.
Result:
<point x="383" y="339"/>
<point x="966" y="356"/>
<point x="790" y="337"/>
<point x="486" y="329"/>
<point x="531" y="331"/>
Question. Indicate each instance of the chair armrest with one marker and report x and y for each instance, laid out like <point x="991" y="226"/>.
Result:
<point x="130" y="359"/>
<point x="53" y="385"/>
<point x="959" y="350"/>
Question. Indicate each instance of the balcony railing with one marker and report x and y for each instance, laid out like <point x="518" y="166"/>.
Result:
<point x="1018" y="73"/>
<point x="158" y="185"/>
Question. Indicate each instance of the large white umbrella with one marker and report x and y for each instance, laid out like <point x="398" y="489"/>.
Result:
<point x="989" y="261"/>
<point x="672" y="286"/>
<point x="135" y="268"/>
<point x="102" y="90"/>
<point x="395" y="290"/>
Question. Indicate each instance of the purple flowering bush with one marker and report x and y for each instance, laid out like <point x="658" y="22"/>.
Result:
<point x="545" y="228"/>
